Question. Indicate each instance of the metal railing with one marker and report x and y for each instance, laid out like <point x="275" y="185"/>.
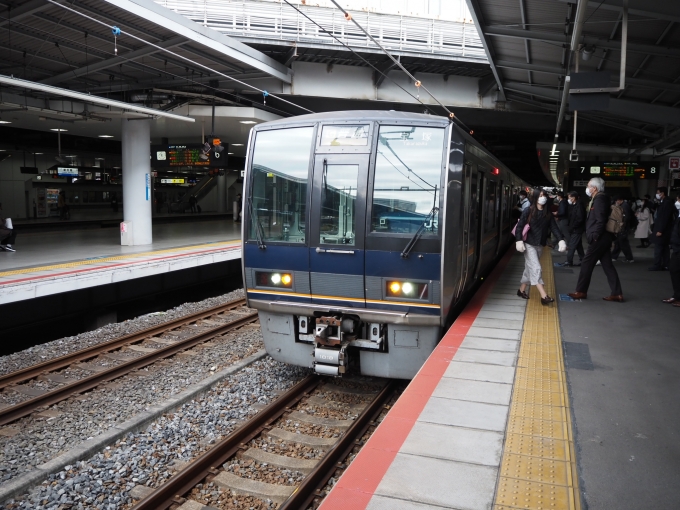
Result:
<point x="275" y="20"/>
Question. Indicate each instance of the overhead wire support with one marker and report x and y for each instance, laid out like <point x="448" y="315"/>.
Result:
<point x="165" y="50"/>
<point x="416" y="82"/>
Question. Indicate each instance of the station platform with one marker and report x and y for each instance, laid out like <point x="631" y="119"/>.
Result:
<point x="54" y="262"/>
<point x="566" y="406"/>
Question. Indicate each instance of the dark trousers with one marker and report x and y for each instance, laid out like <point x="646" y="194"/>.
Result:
<point x="675" y="273"/>
<point x="8" y="235"/>
<point x="575" y="245"/>
<point x="599" y="250"/>
<point x="622" y="244"/>
<point x="662" y="251"/>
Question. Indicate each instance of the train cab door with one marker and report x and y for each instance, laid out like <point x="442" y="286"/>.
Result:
<point x="336" y="248"/>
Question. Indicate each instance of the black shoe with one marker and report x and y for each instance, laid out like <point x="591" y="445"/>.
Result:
<point x="522" y="294"/>
<point x="547" y="300"/>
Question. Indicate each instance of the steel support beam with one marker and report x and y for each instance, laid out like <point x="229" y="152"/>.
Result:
<point x="476" y="13"/>
<point x="656" y="9"/>
<point x="25" y="10"/>
<point x="150" y="11"/>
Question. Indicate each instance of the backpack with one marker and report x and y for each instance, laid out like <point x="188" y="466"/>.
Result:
<point x="616" y="222"/>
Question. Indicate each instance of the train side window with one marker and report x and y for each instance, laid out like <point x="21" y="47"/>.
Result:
<point x="407" y="187"/>
<point x="280" y="173"/>
<point x="490" y="206"/>
<point x="338" y="197"/>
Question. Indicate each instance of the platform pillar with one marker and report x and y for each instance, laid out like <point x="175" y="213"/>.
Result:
<point x="137" y="189"/>
<point x="222" y="193"/>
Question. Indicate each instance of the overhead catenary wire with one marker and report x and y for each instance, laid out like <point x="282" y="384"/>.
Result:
<point x="417" y="82"/>
<point x="165" y="50"/>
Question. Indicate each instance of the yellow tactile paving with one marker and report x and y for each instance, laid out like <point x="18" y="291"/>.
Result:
<point x="538" y="468"/>
<point x="117" y="258"/>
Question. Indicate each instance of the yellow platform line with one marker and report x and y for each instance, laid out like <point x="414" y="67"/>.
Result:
<point x="117" y="258"/>
<point x="538" y="468"/>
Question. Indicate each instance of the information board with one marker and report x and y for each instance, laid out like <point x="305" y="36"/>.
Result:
<point x="185" y="155"/>
<point x="615" y="170"/>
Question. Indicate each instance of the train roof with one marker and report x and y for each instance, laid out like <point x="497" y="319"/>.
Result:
<point x="361" y="115"/>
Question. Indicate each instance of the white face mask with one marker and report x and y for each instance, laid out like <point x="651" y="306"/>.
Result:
<point x="542" y="200"/>
<point x="588" y="192"/>
<point x="639" y="203"/>
<point x="658" y="197"/>
<point x="571" y="201"/>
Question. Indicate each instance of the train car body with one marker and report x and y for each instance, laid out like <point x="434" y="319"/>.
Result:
<point x="362" y="232"/>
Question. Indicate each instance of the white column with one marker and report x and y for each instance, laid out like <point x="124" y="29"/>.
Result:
<point x="222" y="193"/>
<point x="137" y="187"/>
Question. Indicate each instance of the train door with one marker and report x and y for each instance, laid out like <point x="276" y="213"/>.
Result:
<point x="474" y="234"/>
<point x="336" y="248"/>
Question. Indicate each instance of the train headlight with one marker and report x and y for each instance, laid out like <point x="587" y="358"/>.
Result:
<point x="274" y="279"/>
<point x="407" y="288"/>
<point x="395" y="287"/>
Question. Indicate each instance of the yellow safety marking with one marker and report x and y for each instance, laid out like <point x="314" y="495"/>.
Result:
<point x="538" y="468"/>
<point x="340" y="298"/>
<point x="79" y="263"/>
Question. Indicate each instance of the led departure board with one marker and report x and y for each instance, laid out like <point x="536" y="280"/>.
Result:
<point x="617" y="170"/>
<point x="189" y="155"/>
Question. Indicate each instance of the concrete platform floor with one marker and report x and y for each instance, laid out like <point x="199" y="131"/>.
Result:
<point x="624" y="379"/>
<point x="43" y="248"/>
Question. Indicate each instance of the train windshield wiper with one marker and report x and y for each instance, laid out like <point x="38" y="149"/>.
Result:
<point x="430" y="217"/>
<point x="259" y="229"/>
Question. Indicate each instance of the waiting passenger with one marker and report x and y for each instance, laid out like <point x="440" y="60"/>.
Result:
<point x="576" y="227"/>
<point x="674" y="265"/>
<point x="644" y="226"/>
<point x="664" y="217"/>
<point x="523" y="201"/>
<point x="540" y="223"/>
<point x="7" y="233"/>
<point x="599" y="245"/>
<point x="621" y="242"/>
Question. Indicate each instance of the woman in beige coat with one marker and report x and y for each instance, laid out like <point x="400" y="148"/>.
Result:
<point x="644" y="228"/>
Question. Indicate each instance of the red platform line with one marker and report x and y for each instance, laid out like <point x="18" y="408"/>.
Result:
<point x="118" y="265"/>
<point x="359" y="482"/>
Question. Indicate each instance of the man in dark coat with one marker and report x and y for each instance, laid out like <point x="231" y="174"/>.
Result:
<point x="674" y="265"/>
<point x="576" y="214"/>
<point x="599" y="245"/>
<point x="664" y="217"/>
<point x="622" y="243"/>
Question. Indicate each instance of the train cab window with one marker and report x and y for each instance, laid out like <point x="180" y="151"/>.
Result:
<point x="490" y="206"/>
<point x="338" y="196"/>
<point x="406" y="188"/>
<point x="280" y="171"/>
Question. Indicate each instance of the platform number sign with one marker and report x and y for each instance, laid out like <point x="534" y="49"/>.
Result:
<point x="674" y="163"/>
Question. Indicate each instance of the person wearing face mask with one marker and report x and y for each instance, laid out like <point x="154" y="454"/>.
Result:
<point x="599" y="245"/>
<point x="644" y="226"/>
<point x="541" y="222"/>
<point x="621" y="242"/>
<point x="674" y="266"/>
<point x="576" y="227"/>
<point x="664" y="217"/>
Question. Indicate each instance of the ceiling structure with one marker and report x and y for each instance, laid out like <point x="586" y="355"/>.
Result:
<point x="529" y="44"/>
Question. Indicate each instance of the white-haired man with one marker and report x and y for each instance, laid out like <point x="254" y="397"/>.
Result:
<point x="599" y="244"/>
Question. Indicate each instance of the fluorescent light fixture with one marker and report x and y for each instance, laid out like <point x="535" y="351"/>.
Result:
<point x="89" y="98"/>
<point x="105" y="136"/>
<point x="230" y="153"/>
<point x="5" y="122"/>
<point x="237" y="145"/>
<point x="99" y="159"/>
<point x="37" y="153"/>
<point x="59" y="129"/>
<point x="248" y="121"/>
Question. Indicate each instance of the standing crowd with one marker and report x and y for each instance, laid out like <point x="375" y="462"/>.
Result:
<point x="607" y="224"/>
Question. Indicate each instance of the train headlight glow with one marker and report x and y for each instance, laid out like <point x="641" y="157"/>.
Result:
<point x="276" y="278"/>
<point x="418" y="291"/>
<point x="407" y="288"/>
<point x="395" y="287"/>
<point x="286" y="279"/>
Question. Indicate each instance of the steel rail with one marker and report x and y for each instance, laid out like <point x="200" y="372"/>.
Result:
<point x="305" y="494"/>
<point x="27" y="407"/>
<point x="205" y="465"/>
<point x="34" y="371"/>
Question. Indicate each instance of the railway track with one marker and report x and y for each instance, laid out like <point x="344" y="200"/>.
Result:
<point x="122" y="363"/>
<point x="174" y="493"/>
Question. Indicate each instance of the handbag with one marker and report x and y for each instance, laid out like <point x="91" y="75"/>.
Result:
<point x="525" y="230"/>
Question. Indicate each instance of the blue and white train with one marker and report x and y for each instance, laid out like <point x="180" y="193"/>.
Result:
<point x="362" y="233"/>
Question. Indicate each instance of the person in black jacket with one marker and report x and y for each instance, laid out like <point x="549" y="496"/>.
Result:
<point x="541" y="222"/>
<point x="664" y="217"/>
<point x="621" y="242"/>
<point x="599" y="245"/>
<point x="576" y="226"/>
<point x="562" y="214"/>
<point x="674" y="265"/>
